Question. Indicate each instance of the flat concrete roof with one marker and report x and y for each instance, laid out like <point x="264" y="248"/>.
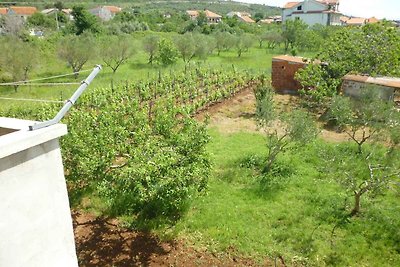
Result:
<point x="17" y="137"/>
<point x="385" y="81"/>
<point x="300" y="60"/>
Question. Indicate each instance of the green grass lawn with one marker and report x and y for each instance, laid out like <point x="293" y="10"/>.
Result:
<point x="294" y="219"/>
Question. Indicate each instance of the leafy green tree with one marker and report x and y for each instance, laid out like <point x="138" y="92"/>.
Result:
<point x="40" y="20"/>
<point x="224" y="41"/>
<point x="84" y="21"/>
<point x="116" y="51"/>
<point x="296" y="127"/>
<point x="150" y="46"/>
<point x="18" y="59"/>
<point x="373" y="49"/>
<point x="204" y="45"/>
<point x="59" y="5"/>
<point x="258" y="16"/>
<point x="273" y="39"/>
<point x="167" y="52"/>
<point x="76" y="51"/>
<point x="364" y="118"/>
<point x="360" y="175"/>
<point x="291" y="32"/>
<point x="243" y="43"/>
<point x="124" y="16"/>
<point x="186" y="46"/>
<point x="201" y="19"/>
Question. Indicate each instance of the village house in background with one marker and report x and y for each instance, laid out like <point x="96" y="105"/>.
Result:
<point x="354" y="21"/>
<point x="212" y="17"/>
<point x="22" y="12"/>
<point x="272" y="19"/>
<point x="242" y="16"/>
<point x="53" y="11"/>
<point x="325" y="12"/>
<point x="105" y="13"/>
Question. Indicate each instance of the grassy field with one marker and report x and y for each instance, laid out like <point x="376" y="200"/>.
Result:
<point x="257" y="60"/>
<point x="293" y="219"/>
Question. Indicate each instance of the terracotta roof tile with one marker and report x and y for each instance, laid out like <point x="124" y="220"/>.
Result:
<point x="356" y="21"/>
<point x="211" y="14"/>
<point x="192" y="13"/>
<point x="113" y="9"/>
<point x="3" y="11"/>
<point x="247" y="19"/>
<point x="329" y="2"/>
<point x="373" y="20"/>
<point x="23" y="10"/>
<point x="290" y="4"/>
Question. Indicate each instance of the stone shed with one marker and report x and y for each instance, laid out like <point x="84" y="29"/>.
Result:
<point x="284" y="69"/>
<point x="389" y="87"/>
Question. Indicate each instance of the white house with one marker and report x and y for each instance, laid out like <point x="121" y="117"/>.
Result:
<point x="105" y="13"/>
<point x="325" y="12"/>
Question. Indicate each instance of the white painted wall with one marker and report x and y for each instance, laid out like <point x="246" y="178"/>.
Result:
<point x="310" y="18"/>
<point x="35" y="222"/>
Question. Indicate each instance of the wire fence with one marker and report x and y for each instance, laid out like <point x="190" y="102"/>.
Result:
<point x="38" y="83"/>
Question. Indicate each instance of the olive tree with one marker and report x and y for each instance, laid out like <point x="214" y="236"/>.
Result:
<point x="115" y="51"/>
<point x="76" y="51"/>
<point x="366" y="170"/>
<point x="150" y="46"/>
<point x="361" y="175"/>
<point x="362" y="119"/>
<point x="282" y="129"/>
<point x="18" y="60"/>
<point x="243" y="43"/>
<point x="186" y="46"/>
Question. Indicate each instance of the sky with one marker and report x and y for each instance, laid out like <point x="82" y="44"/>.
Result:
<point x="389" y="9"/>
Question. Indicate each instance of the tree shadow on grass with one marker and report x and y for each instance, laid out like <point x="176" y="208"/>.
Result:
<point x="101" y="242"/>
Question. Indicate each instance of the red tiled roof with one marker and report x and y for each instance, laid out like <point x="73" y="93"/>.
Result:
<point x="372" y="20"/>
<point x="247" y="19"/>
<point x="3" y="11"/>
<point x="329" y="2"/>
<point x="344" y="18"/>
<point x="192" y="12"/>
<point x="24" y="10"/>
<point x="113" y="9"/>
<point x="210" y="14"/>
<point x="290" y="4"/>
<point x="356" y="21"/>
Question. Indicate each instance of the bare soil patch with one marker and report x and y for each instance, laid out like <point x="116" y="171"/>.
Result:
<point x="102" y="242"/>
<point x="237" y="114"/>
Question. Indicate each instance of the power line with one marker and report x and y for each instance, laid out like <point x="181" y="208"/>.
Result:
<point x="39" y="84"/>
<point x="43" y="79"/>
<point x="31" y="100"/>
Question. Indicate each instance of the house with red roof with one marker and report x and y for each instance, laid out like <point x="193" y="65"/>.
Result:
<point x="212" y="17"/>
<point x="22" y="12"/>
<point x="105" y="13"/>
<point x="325" y="12"/>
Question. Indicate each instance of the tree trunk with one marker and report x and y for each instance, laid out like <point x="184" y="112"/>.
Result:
<point x="357" y="206"/>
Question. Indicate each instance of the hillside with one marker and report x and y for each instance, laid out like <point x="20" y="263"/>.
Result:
<point x="221" y="7"/>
